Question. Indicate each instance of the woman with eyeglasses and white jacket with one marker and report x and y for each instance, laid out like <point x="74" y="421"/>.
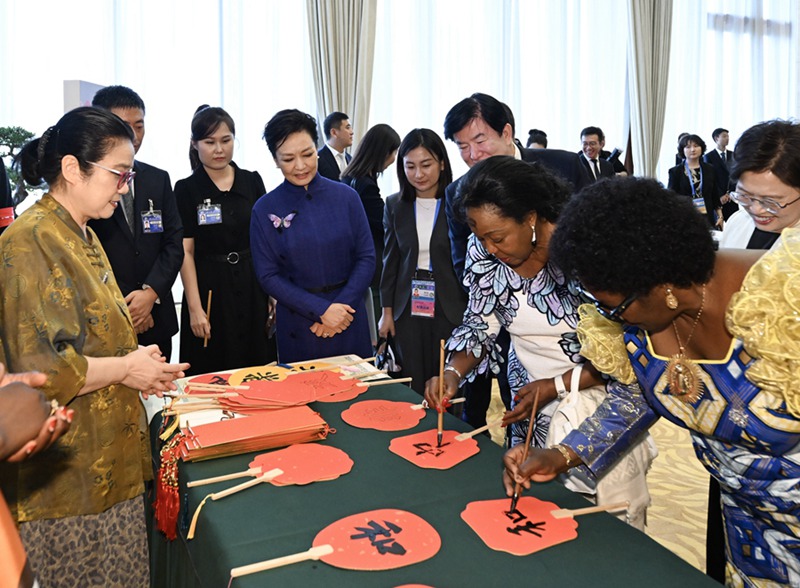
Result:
<point x="767" y="175"/>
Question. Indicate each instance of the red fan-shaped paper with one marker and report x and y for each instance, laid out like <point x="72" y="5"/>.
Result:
<point x="305" y="463"/>
<point x="529" y="528"/>
<point x="383" y="415"/>
<point x="348" y="394"/>
<point x="379" y="540"/>
<point x="294" y="390"/>
<point x="421" y="450"/>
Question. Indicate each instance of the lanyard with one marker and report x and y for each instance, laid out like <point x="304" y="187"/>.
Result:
<point x="691" y="181"/>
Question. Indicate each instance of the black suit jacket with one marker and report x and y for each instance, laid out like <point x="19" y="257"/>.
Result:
<point x="326" y="164"/>
<point x="562" y="163"/>
<point x="370" y="195"/>
<point x="723" y="174"/>
<point x="679" y="182"/>
<point x="147" y="258"/>
<point x="400" y="254"/>
<point x="606" y="167"/>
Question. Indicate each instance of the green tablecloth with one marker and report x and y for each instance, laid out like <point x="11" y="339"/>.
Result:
<point x="267" y="521"/>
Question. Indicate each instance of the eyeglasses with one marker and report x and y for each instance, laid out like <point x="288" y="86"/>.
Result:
<point x="767" y="204"/>
<point x="125" y="177"/>
<point x="613" y="314"/>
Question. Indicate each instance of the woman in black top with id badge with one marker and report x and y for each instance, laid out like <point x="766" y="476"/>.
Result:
<point x="421" y="298"/>
<point x="215" y="203"/>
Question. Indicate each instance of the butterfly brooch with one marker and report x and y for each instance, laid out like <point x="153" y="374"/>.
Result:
<point x="282" y="223"/>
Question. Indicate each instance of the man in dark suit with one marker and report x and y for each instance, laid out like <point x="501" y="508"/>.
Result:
<point x="338" y="137"/>
<point x="592" y="142"/>
<point x="722" y="159"/>
<point x="482" y="127"/>
<point x="144" y="237"/>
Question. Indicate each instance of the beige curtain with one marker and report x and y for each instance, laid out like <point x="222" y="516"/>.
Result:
<point x="342" y="34"/>
<point x="648" y="73"/>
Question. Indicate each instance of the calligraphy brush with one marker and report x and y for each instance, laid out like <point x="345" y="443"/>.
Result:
<point x="208" y="317"/>
<point x="440" y="423"/>
<point x="531" y="423"/>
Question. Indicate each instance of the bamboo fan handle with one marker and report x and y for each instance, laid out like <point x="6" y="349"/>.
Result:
<point x="269" y="476"/>
<point x="312" y="554"/>
<point x="479" y="430"/>
<point x="563" y="513"/>
<point x="225" y="478"/>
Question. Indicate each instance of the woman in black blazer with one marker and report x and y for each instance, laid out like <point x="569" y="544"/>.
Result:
<point x="421" y="298"/>
<point x="697" y="179"/>
<point x="375" y="152"/>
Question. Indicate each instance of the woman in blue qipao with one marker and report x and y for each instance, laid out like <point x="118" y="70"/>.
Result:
<point x="711" y="339"/>
<point x="512" y="207"/>
<point x="312" y="249"/>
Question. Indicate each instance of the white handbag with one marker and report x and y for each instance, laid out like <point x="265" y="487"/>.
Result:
<point x="626" y="480"/>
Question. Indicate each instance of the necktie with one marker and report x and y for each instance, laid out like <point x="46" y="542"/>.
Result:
<point x="127" y="207"/>
<point x="724" y="157"/>
<point x="596" y="169"/>
<point x="341" y="161"/>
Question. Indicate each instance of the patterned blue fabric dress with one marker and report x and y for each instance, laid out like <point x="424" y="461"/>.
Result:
<point x="312" y="248"/>
<point x="747" y="440"/>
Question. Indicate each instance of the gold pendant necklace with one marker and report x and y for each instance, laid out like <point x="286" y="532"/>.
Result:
<point x="684" y="376"/>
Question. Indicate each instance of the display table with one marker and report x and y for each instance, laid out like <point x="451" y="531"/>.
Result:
<point x="265" y="522"/>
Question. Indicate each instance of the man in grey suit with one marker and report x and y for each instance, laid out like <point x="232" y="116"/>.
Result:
<point x="144" y="237"/>
<point x="338" y="137"/>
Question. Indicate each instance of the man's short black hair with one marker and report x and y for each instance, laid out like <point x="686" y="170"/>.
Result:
<point x="593" y="131"/>
<point x="717" y="132"/>
<point x="496" y="114"/>
<point x="333" y="121"/>
<point x="117" y="97"/>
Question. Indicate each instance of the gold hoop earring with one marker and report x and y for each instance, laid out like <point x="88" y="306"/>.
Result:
<point x="671" y="300"/>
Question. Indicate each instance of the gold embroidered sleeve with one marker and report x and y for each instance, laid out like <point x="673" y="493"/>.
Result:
<point x="603" y="344"/>
<point x="765" y="315"/>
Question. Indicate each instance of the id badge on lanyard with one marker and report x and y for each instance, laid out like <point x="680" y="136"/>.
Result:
<point x="151" y="220"/>
<point x="700" y="204"/>
<point x="209" y="214"/>
<point x="423" y="298"/>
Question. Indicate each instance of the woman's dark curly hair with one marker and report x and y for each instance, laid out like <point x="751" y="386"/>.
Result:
<point x="629" y="235"/>
<point x="515" y="188"/>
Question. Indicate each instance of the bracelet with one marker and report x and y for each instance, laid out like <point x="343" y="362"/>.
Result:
<point x="450" y="368"/>
<point x="563" y="451"/>
<point x="561" y="390"/>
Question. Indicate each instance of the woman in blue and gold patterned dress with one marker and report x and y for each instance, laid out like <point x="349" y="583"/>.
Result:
<point x="712" y="340"/>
